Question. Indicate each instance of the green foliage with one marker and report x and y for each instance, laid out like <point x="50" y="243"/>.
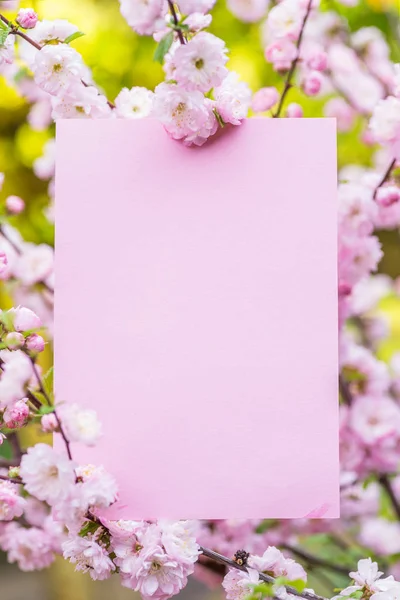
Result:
<point x="73" y="36"/>
<point x="4" y="31"/>
<point x="163" y="47"/>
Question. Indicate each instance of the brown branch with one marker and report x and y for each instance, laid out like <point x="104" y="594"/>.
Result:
<point x="387" y="486"/>
<point x="385" y="177"/>
<point x="176" y="22"/>
<point x="288" y="82"/>
<point x="12" y="479"/>
<point x="16" y="31"/>
<point x="345" y="391"/>
<point x="267" y="578"/>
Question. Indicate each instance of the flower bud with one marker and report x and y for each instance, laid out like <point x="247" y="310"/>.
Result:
<point x="13" y="472"/>
<point x="294" y="111"/>
<point x="16" y="415"/>
<point x="49" y="423"/>
<point x="14" y="340"/>
<point x="35" y="343"/>
<point x="264" y="99"/>
<point x="312" y="83"/>
<point x="318" y="62"/>
<point x="25" y="319"/>
<point x="14" y="205"/>
<point x="27" y="18"/>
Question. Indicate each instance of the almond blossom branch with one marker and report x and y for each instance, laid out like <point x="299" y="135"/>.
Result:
<point x="289" y="77"/>
<point x="266" y="578"/>
<point x="16" y="31"/>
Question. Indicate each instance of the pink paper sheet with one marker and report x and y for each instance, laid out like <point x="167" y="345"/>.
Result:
<point x="196" y="311"/>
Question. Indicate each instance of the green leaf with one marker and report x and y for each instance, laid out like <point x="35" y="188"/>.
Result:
<point x="48" y="383"/>
<point x="4" y="31"/>
<point x="73" y="36"/>
<point x="6" y="450"/>
<point x="89" y="527"/>
<point x="46" y="410"/>
<point x="297" y="584"/>
<point x="163" y="47"/>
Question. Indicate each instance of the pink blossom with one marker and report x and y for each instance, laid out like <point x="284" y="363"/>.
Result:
<point x="89" y="556"/>
<point x="188" y="7"/>
<point x="80" y="102"/>
<point x="382" y="536"/>
<point x="248" y="11"/>
<point x="47" y="475"/>
<point x="14" y="340"/>
<point x="294" y="111"/>
<point x="15" y="205"/>
<point x="200" y="64"/>
<point x="57" y="68"/>
<point x="99" y="488"/>
<point x="264" y="99"/>
<point x="385" y="123"/>
<point x="35" y="263"/>
<point x="30" y="548"/>
<point x="345" y="115"/>
<point x="44" y="166"/>
<point x="11" y="503"/>
<point x="7" y="52"/>
<point x="238" y="584"/>
<point x="27" y="18"/>
<point x="312" y="83"/>
<point x="179" y="540"/>
<point x="16" y="415"/>
<point x="49" y="423"/>
<point x="388" y="195"/>
<point x="284" y="19"/>
<point x="80" y="425"/>
<point x="25" y="319"/>
<point x="232" y="99"/>
<point x="281" y="54"/>
<point x="318" y="61"/>
<point x="16" y="373"/>
<point x="144" y="16"/>
<point x="198" y="21"/>
<point x="374" y="419"/>
<point x="156" y="575"/>
<point x="134" y="103"/>
<point x="185" y="115"/>
<point x="35" y="343"/>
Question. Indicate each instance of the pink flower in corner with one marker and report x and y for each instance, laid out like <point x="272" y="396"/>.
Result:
<point x="27" y="18"/>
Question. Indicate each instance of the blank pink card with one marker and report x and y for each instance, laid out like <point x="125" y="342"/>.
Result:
<point x="196" y="311"/>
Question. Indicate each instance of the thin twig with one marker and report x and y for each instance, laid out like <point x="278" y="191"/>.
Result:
<point x="288" y="82"/>
<point x="176" y="22"/>
<point x="17" y="480"/>
<point x="387" y="486"/>
<point x="345" y="391"/>
<point x="267" y="578"/>
<point x="385" y="177"/>
<point x="16" y="31"/>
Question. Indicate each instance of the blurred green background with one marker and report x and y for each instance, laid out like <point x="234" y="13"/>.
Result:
<point x="118" y="58"/>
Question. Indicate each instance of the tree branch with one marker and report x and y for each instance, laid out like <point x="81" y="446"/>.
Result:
<point x="385" y="177"/>
<point x="387" y="486"/>
<point x="176" y="22"/>
<point x="288" y="82"/>
<point x="267" y="578"/>
<point x="16" y="31"/>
